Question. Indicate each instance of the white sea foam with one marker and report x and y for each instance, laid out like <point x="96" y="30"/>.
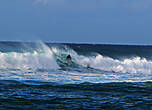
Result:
<point x="134" y="65"/>
<point x="45" y="59"/>
<point x="28" y="60"/>
<point x="20" y="66"/>
<point x="128" y="65"/>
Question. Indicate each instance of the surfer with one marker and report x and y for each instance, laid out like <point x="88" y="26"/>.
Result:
<point x="88" y="66"/>
<point x="69" y="58"/>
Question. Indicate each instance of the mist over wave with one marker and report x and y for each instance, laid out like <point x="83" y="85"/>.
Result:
<point x="38" y="59"/>
<point x="50" y="57"/>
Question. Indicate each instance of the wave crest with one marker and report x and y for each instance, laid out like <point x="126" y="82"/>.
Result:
<point x="42" y="59"/>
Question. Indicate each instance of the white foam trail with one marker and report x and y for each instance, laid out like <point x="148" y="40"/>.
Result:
<point x="36" y="60"/>
<point x="134" y="65"/>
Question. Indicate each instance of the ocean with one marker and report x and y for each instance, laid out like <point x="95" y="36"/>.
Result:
<point x="37" y="76"/>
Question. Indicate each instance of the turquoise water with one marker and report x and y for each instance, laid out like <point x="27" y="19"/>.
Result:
<point x="37" y="76"/>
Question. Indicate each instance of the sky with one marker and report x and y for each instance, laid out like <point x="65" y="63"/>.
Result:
<point x="78" y="21"/>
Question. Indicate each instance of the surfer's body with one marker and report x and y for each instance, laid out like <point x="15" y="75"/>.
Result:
<point x="68" y="58"/>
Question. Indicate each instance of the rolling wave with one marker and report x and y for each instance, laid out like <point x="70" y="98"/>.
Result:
<point x="98" y="61"/>
<point x="42" y="59"/>
<point x="54" y="58"/>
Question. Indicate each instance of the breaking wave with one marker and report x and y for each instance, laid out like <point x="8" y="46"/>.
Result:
<point x="97" y="61"/>
<point x="42" y="59"/>
<point x="45" y="57"/>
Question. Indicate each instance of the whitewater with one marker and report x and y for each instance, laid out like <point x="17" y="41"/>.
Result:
<point x="36" y="75"/>
<point x="52" y="60"/>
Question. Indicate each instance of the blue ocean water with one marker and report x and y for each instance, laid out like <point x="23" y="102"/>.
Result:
<point x="37" y="76"/>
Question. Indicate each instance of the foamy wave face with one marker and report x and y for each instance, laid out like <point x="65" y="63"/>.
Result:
<point x="134" y="65"/>
<point x="36" y="60"/>
<point x="128" y="65"/>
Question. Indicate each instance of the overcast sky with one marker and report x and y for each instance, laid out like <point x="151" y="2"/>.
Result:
<point x="93" y="21"/>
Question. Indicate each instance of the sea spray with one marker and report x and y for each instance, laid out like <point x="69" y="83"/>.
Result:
<point x="41" y="59"/>
<point x="97" y="61"/>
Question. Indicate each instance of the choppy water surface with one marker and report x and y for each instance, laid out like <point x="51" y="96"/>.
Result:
<point x="37" y="76"/>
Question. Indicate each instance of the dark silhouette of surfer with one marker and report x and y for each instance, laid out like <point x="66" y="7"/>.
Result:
<point x="69" y="58"/>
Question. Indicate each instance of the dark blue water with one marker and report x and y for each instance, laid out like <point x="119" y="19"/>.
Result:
<point x="39" y="95"/>
<point x="36" y="76"/>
